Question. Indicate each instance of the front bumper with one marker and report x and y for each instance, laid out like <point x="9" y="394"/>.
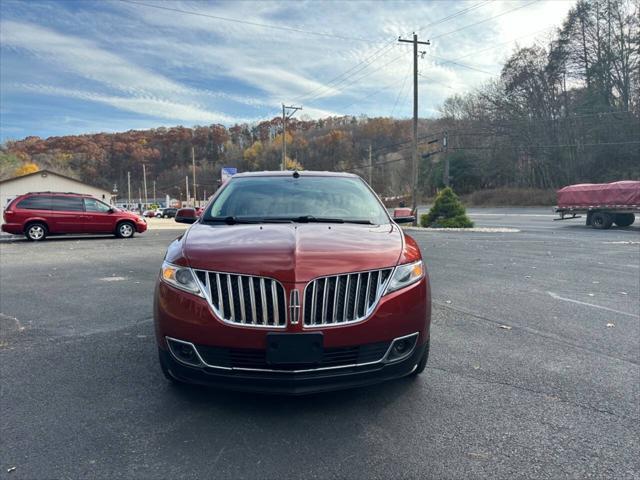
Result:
<point x="189" y="318"/>
<point x="141" y="226"/>
<point x="290" y="383"/>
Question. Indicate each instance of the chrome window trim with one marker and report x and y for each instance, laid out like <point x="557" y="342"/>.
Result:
<point x="205" y="287"/>
<point x="382" y="360"/>
<point x="381" y="288"/>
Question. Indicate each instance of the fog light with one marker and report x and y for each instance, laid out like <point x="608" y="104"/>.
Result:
<point x="401" y="348"/>
<point x="183" y="352"/>
<point x="186" y="352"/>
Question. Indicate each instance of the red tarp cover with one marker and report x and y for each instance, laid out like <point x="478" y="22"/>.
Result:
<point x="623" y="193"/>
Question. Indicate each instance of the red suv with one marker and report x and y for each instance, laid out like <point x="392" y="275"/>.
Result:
<point x="292" y="283"/>
<point x="37" y="215"/>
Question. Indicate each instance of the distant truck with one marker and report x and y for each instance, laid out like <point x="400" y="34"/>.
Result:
<point x="603" y="203"/>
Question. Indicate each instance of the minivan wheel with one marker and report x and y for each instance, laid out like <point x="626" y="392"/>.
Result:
<point x="36" y="232"/>
<point x="125" y="230"/>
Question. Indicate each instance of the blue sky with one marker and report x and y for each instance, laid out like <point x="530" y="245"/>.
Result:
<point x="83" y="66"/>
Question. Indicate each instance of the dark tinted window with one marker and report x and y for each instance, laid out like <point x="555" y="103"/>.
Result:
<point x="93" y="205"/>
<point x="66" y="204"/>
<point x="36" y="202"/>
<point x="346" y="198"/>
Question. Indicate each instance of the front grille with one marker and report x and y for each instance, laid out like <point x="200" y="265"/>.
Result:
<point x="256" y="359"/>
<point x="245" y="300"/>
<point x="341" y="299"/>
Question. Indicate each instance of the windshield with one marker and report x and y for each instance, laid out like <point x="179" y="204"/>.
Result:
<point x="302" y="199"/>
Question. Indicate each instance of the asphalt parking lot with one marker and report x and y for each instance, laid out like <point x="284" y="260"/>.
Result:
<point x="534" y="369"/>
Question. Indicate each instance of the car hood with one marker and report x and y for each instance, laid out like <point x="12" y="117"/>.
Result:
<point x="292" y="252"/>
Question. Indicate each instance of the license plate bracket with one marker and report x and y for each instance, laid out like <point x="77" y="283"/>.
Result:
<point x="294" y="348"/>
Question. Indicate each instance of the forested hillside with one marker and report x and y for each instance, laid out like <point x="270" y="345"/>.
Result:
<point x="562" y="112"/>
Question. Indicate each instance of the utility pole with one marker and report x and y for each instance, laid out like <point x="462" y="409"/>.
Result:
<point x="193" y="162"/>
<point x="284" y="131"/>
<point x="129" y="190"/>
<point x="154" y="191"/>
<point x="204" y="197"/>
<point x="370" y="167"/>
<point x="144" y="174"/>
<point x="186" y="182"/>
<point x="447" y="178"/>
<point x="414" y="166"/>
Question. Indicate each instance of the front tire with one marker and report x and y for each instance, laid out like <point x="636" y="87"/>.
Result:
<point x="601" y="220"/>
<point x="36" y="232"/>
<point x="125" y="230"/>
<point x="624" y="219"/>
<point x="165" y="369"/>
<point x="422" y="364"/>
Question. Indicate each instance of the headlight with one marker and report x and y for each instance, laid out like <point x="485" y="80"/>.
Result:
<point x="180" y="277"/>
<point x="405" y="275"/>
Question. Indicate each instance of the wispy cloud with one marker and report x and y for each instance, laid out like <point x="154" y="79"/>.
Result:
<point x="156" y="65"/>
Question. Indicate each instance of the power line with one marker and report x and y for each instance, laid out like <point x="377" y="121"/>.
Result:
<point x="524" y="147"/>
<point x="496" y="45"/>
<point x="245" y="22"/>
<point x="369" y="60"/>
<point x="341" y="82"/>
<point x="463" y="65"/>
<point x="483" y="21"/>
<point x="454" y="15"/>
<point x="404" y="83"/>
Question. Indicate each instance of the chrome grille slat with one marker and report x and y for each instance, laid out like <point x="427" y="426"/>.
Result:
<point x="343" y="298"/>
<point x="244" y="299"/>
<point x="243" y="317"/>
<point x="274" y="299"/>
<point x="263" y="298"/>
<point x="230" y="295"/>
<point x="252" y="296"/>
<point x="345" y="302"/>
<point x="325" y="290"/>
<point x="220" y="299"/>
<point x="335" y="299"/>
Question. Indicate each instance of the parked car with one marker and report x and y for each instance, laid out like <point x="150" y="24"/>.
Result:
<point x="150" y="213"/>
<point x="38" y="215"/>
<point x="168" y="212"/>
<point x="292" y="283"/>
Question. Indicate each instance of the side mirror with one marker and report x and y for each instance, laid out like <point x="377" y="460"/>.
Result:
<point x="111" y="210"/>
<point x="404" y="219"/>
<point x="186" y="215"/>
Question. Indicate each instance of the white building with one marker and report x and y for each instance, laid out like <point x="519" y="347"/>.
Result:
<point x="47" y="181"/>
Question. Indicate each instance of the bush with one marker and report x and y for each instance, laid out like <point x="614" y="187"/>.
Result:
<point x="447" y="212"/>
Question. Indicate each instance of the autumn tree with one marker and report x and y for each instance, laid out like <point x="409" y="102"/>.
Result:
<point x="26" y="169"/>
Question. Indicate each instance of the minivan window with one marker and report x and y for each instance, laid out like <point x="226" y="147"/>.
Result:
<point x="303" y="198"/>
<point x="93" y="205"/>
<point x="36" y="202"/>
<point x="66" y="204"/>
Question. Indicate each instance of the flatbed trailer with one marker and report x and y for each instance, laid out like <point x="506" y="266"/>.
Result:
<point x="603" y="204"/>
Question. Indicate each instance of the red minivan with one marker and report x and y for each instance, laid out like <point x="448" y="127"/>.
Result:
<point x="37" y="215"/>
<point x="292" y="282"/>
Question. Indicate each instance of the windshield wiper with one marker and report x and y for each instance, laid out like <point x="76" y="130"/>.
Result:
<point x="312" y="219"/>
<point x="232" y="220"/>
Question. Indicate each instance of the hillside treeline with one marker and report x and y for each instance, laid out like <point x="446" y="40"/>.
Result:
<point x="566" y="111"/>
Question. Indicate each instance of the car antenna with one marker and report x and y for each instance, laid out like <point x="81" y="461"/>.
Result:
<point x="296" y="174"/>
